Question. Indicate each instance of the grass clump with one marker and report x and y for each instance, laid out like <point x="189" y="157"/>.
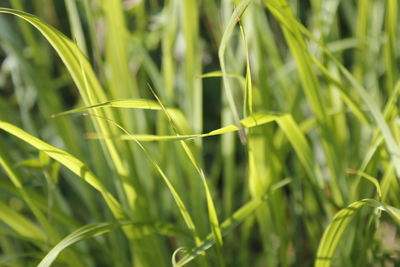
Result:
<point x="199" y="133"/>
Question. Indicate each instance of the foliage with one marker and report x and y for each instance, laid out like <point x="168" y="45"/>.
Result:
<point x="206" y="133"/>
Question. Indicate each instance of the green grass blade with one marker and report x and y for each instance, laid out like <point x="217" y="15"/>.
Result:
<point x="335" y="230"/>
<point x="229" y="224"/>
<point x="394" y="213"/>
<point x="391" y="25"/>
<point x="76" y="25"/>
<point x="96" y="229"/>
<point x="369" y="178"/>
<point x="212" y="213"/>
<point x="237" y="13"/>
<point x="369" y="101"/>
<point x="15" y="178"/>
<point x="217" y="74"/>
<point x="21" y="225"/>
<point x="302" y="148"/>
<point x="80" y="70"/>
<point x="286" y="123"/>
<point x="69" y="161"/>
<point x="125" y="103"/>
<point x="248" y="103"/>
<point x="178" y="200"/>
<point x="249" y="122"/>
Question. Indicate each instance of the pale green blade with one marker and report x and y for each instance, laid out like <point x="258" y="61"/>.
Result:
<point x="285" y="121"/>
<point x="125" y="103"/>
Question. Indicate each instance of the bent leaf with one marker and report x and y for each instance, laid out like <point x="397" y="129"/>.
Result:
<point x="92" y="230"/>
<point x="336" y="228"/>
<point x="285" y="121"/>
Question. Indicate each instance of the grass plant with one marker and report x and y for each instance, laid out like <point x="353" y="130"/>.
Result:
<point x="199" y="133"/>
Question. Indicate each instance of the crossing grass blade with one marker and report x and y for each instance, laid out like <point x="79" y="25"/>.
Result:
<point x="181" y="206"/>
<point x="237" y="13"/>
<point x="212" y="213"/>
<point x="285" y="121"/>
<point x="178" y="200"/>
<point x="249" y="122"/>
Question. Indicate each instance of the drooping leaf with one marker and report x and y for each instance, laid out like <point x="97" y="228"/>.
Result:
<point x="92" y="230"/>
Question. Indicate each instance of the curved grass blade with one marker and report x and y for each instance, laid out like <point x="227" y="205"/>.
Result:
<point x="212" y="212"/>
<point x="92" y="230"/>
<point x="229" y="224"/>
<point x="368" y="177"/>
<point x="177" y="116"/>
<point x="215" y="74"/>
<point x="125" y="103"/>
<point x="377" y="139"/>
<point x="178" y="200"/>
<point x="290" y="128"/>
<point x="293" y="25"/>
<point x="336" y="228"/>
<point x="69" y="161"/>
<point x="237" y="13"/>
<point x="81" y="72"/>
